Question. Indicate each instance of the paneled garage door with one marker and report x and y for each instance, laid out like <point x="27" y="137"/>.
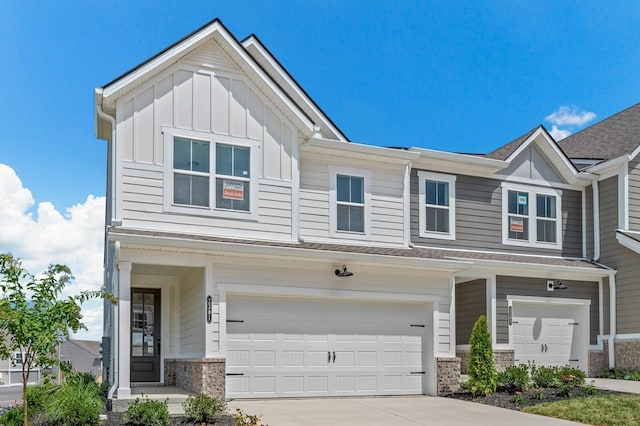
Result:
<point x="550" y="334"/>
<point x="301" y="347"/>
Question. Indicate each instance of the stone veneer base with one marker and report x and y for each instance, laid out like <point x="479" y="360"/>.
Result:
<point x="448" y="375"/>
<point x="502" y="358"/>
<point x="198" y="375"/>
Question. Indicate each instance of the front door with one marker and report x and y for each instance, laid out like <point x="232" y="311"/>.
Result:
<point x="145" y="335"/>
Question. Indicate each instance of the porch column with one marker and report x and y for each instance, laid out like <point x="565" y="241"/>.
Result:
<point x="491" y="308"/>
<point x="124" y="322"/>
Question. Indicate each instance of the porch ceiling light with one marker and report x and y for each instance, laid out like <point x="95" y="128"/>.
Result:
<point x="343" y="272"/>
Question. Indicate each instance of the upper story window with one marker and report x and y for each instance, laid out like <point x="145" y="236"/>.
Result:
<point x="437" y="205"/>
<point x="350" y="198"/>
<point x="531" y="216"/>
<point x="17" y="358"/>
<point x="210" y="175"/>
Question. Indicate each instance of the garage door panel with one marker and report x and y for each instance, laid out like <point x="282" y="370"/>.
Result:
<point x="292" y="353"/>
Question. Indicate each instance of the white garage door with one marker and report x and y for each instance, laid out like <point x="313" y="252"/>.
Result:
<point x="550" y="334"/>
<point x="299" y="347"/>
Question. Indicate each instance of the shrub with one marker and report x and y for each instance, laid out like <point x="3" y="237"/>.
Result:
<point x="75" y="403"/>
<point x="545" y="377"/>
<point x="571" y="376"/>
<point x="38" y="395"/>
<point x="203" y="409"/>
<point x="12" y="417"/>
<point x="514" y="378"/>
<point x="518" y="399"/>
<point x="147" y="412"/>
<point x="538" y="394"/>
<point x="242" y="419"/>
<point x="591" y="390"/>
<point x="481" y="370"/>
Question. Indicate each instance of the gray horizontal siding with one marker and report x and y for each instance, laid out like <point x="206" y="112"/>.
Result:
<point x="471" y="302"/>
<point x="502" y="321"/>
<point x="479" y="218"/>
<point x="536" y="287"/>
<point x="625" y="261"/>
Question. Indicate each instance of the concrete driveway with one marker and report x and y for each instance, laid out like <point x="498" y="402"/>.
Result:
<point x="385" y="411"/>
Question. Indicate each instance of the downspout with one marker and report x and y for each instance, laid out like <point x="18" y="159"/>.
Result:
<point x="406" y="194"/>
<point x="116" y="325"/>
<point x="612" y="321"/>
<point x="596" y="221"/>
<point x="112" y="121"/>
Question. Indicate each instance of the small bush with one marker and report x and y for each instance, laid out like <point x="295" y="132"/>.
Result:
<point x="518" y="399"/>
<point x="12" y="417"/>
<point x="544" y="377"/>
<point x="242" y="419"/>
<point x="75" y="403"/>
<point x="514" y="378"/>
<point x="147" y="412"/>
<point x="591" y="390"/>
<point x="572" y="376"/>
<point x="38" y="395"/>
<point x="538" y="394"/>
<point x="481" y="370"/>
<point x="203" y="409"/>
<point x="565" y="390"/>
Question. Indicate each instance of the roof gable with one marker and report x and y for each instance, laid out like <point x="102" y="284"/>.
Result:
<point x="216" y="32"/>
<point x="535" y="155"/>
<point x="610" y="138"/>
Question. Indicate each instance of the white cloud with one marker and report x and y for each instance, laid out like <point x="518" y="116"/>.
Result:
<point x="559" y="134"/>
<point x="570" y="116"/>
<point x="73" y="238"/>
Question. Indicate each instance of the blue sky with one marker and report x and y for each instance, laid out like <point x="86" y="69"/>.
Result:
<point x="463" y="76"/>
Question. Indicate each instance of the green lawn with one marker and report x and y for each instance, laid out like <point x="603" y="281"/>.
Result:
<point x="610" y="410"/>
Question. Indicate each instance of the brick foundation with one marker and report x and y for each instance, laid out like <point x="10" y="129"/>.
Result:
<point x="448" y="375"/>
<point x="502" y="358"/>
<point x="198" y="375"/>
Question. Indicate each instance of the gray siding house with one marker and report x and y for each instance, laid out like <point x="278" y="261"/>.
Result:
<point x="257" y="252"/>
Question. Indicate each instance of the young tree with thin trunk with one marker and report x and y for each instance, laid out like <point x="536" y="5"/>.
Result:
<point x="34" y="319"/>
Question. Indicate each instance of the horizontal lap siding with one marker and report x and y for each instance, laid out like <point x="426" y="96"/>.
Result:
<point x="471" y="302"/>
<point x="386" y="212"/>
<point x="479" y="218"/>
<point x="192" y="329"/>
<point x="537" y="287"/>
<point x="625" y="261"/>
<point x="142" y="205"/>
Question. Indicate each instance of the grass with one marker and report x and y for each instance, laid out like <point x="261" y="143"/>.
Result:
<point x="606" y="410"/>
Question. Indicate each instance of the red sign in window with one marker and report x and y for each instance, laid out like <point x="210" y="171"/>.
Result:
<point x="516" y="225"/>
<point x="232" y="190"/>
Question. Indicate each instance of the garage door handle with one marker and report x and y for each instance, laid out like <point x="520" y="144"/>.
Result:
<point x="546" y="349"/>
<point x="334" y="357"/>
<point x="329" y="356"/>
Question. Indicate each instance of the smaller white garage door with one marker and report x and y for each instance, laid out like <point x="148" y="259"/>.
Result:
<point x="302" y="347"/>
<point x="550" y="334"/>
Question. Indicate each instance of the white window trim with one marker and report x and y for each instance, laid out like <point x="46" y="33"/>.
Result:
<point x="422" y="200"/>
<point x="533" y="218"/>
<point x="334" y="171"/>
<point x="15" y="358"/>
<point x="169" y="134"/>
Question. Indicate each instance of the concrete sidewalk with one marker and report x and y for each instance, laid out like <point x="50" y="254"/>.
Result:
<point x="630" y="386"/>
<point x="386" y="411"/>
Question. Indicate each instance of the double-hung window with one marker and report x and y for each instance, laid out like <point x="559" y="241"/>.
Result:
<point x="437" y="205"/>
<point x="531" y="216"/>
<point x="350" y="198"/>
<point x="210" y="175"/>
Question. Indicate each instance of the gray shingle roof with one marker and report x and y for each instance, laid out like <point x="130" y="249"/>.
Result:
<point x="607" y="139"/>
<point x="505" y="151"/>
<point x="414" y="252"/>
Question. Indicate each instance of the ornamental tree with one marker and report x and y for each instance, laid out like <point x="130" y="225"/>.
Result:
<point x="481" y="369"/>
<point x="34" y="318"/>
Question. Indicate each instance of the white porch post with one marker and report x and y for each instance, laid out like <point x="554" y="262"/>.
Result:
<point x="124" y="320"/>
<point x="491" y="308"/>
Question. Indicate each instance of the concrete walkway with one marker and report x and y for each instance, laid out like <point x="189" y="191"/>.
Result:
<point x="386" y="411"/>
<point x="629" y="386"/>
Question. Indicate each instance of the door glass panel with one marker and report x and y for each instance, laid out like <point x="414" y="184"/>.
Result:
<point x="142" y="324"/>
<point x="148" y="342"/>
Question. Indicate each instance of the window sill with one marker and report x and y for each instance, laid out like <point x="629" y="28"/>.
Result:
<point x="438" y="235"/>
<point x="524" y="243"/>
<point x="214" y="213"/>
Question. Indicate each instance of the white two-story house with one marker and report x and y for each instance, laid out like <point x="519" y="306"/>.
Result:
<point x="257" y="252"/>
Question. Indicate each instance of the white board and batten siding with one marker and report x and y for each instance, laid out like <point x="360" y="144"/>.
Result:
<point x="386" y="212"/>
<point x="205" y="92"/>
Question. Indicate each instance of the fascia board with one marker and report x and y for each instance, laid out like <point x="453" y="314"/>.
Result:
<point x="292" y="85"/>
<point x="504" y="268"/>
<point x="628" y="242"/>
<point x="347" y="149"/>
<point x="444" y="161"/>
<point x="239" y="249"/>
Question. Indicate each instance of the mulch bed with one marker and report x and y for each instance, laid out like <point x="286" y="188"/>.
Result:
<point x="532" y="397"/>
<point x="115" y="419"/>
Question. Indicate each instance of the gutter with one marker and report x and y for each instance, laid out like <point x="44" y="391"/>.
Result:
<point x="596" y="221"/>
<point x="115" y="346"/>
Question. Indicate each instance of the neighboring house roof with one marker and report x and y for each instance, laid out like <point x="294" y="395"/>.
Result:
<point x="610" y="138"/>
<point x="505" y="151"/>
<point x="88" y="345"/>
<point x="413" y="252"/>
